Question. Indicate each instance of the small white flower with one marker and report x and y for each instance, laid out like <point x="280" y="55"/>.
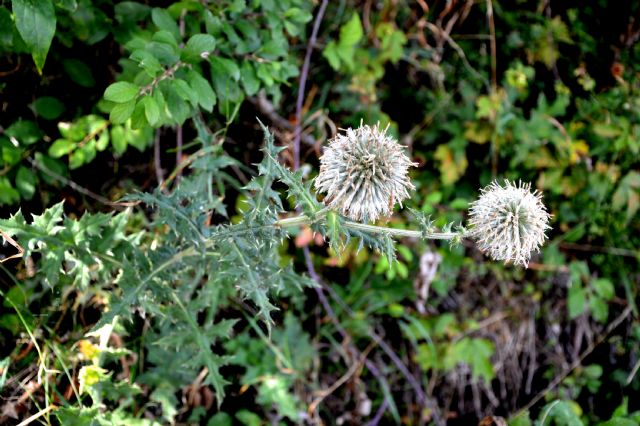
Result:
<point x="509" y="222"/>
<point x="364" y="173"/>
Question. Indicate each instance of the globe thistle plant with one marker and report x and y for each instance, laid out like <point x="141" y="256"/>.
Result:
<point x="364" y="172"/>
<point x="509" y="222"/>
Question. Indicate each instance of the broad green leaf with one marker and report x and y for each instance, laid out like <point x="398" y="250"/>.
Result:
<point x="165" y="37"/>
<point x="7" y="29"/>
<point x="351" y="32"/>
<point x="147" y="61"/>
<point x="10" y="154"/>
<point x="206" y="95"/>
<point x="247" y="418"/>
<point x="619" y="422"/>
<point x="26" y="182"/>
<point x="25" y="132"/>
<point x="163" y="20"/>
<point x="121" y="92"/>
<point x="70" y="5"/>
<point x="103" y="140"/>
<point x="599" y="309"/>
<point x="36" y="23"/>
<point x="604" y="288"/>
<point x="61" y="147"/>
<point x="151" y="110"/>
<point x="225" y="67"/>
<point x="118" y="139"/>
<point x="131" y="11"/>
<point x="523" y="419"/>
<point x="48" y="107"/>
<point x="121" y="112"/>
<point x="8" y="194"/>
<point x="185" y="91"/>
<point x="176" y="106"/>
<point x="249" y="79"/>
<point x="52" y="164"/>
<point x="220" y="419"/>
<point x="330" y="53"/>
<point x="138" y="117"/>
<point x="198" y="47"/>
<point x="166" y="53"/>
<point x="565" y="413"/>
<point x="79" y="72"/>
<point x="264" y="73"/>
<point x="78" y="158"/>
<point x="576" y="301"/>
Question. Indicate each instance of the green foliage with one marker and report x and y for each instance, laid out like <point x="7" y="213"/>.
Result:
<point x="191" y="306"/>
<point x="36" y="23"/>
<point x="190" y="58"/>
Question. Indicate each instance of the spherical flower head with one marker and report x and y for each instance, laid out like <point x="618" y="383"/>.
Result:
<point x="509" y="222"/>
<point x="364" y="172"/>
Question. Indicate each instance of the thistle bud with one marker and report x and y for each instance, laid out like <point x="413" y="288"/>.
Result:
<point x="364" y="173"/>
<point x="509" y="222"/>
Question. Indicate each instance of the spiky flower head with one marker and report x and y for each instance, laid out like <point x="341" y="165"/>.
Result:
<point x="364" y="172"/>
<point x="509" y="222"/>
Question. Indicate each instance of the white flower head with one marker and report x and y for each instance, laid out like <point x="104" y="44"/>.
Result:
<point x="509" y="222"/>
<point x="364" y="172"/>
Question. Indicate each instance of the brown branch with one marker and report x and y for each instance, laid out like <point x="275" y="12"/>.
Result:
<point x="93" y="134"/>
<point x="303" y="82"/>
<point x="267" y="109"/>
<point x="156" y="158"/>
<point x="494" y="49"/>
<point x="17" y="246"/>
<point x="575" y="364"/>
<point x="75" y="186"/>
<point x="178" y="150"/>
<point x="616" y="251"/>
<point x="352" y="370"/>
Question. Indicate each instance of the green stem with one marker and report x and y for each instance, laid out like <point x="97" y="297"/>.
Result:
<point x="372" y="229"/>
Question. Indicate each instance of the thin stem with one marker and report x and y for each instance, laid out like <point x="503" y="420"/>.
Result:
<point x="303" y="82"/>
<point x="179" y="148"/>
<point x="372" y="229"/>
<point x="156" y="158"/>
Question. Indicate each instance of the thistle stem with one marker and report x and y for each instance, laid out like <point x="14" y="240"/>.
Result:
<point x="371" y="229"/>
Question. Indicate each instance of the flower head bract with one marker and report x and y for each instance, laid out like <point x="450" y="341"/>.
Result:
<point x="364" y="173"/>
<point x="509" y="222"/>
